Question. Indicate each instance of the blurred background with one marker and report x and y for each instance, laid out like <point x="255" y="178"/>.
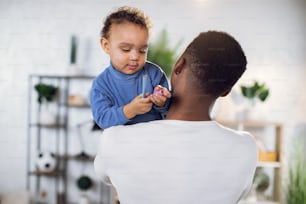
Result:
<point x="36" y="40"/>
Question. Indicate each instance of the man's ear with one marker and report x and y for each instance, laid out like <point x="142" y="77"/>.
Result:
<point x="105" y="45"/>
<point x="225" y="93"/>
<point x="179" y="66"/>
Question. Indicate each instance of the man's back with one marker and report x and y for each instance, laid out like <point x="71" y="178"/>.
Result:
<point x="177" y="162"/>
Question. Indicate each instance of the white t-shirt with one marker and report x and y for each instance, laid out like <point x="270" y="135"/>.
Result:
<point x="177" y="162"/>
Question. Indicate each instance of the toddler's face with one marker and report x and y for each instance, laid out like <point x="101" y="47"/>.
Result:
<point x="127" y="47"/>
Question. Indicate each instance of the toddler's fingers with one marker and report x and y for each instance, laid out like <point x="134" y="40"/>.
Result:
<point x="166" y="93"/>
<point x="152" y="98"/>
<point x="158" y="87"/>
<point x="159" y="100"/>
<point x="140" y="95"/>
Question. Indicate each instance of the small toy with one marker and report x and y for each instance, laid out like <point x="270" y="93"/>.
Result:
<point x="46" y="161"/>
<point x="159" y="91"/>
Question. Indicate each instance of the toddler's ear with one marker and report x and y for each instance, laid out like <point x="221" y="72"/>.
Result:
<point x="105" y="44"/>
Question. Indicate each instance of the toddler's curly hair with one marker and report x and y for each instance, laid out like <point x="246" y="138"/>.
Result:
<point x="125" y="14"/>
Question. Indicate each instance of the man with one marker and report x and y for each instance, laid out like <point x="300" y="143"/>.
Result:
<point x="186" y="158"/>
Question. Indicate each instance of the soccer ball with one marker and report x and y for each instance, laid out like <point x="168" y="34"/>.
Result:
<point x="46" y="161"/>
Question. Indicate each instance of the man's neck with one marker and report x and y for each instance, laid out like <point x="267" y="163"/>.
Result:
<point x="189" y="110"/>
<point x="188" y="116"/>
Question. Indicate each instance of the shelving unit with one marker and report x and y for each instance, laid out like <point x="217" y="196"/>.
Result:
<point x="55" y="137"/>
<point x="255" y="128"/>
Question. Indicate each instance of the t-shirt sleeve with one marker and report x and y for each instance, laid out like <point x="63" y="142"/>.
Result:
<point x="253" y="158"/>
<point x="103" y="159"/>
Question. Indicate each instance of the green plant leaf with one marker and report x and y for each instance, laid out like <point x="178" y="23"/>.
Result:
<point x="161" y="54"/>
<point x="45" y="92"/>
<point x="255" y="91"/>
<point x="263" y="94"/>
<point x="296" y="184"/>
<point x="248" y="92"/>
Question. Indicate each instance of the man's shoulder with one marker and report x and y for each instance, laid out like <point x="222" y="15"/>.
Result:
<point x="238" y="137"/>
<point x="135" y="127"/>
<point x="131" y="134"/>
<point x="231" y="130"/>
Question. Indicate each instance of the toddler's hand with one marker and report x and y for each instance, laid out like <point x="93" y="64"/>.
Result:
<point x="137" y="106"/>
<point x="160" y="96"/>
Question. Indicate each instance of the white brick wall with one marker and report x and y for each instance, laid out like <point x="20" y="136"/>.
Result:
<point x="35" y="35"/>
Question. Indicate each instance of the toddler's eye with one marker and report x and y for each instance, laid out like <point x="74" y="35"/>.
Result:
<point x="143" y="51"/>
<point x="125" y="49"/>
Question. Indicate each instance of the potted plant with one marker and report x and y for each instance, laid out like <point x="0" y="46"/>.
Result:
<point x="45" y="95"/>
<point x="255" y="91"/>
<point x="84" y="183"/>
<point x="73" y="68"/>
<point x="161" y="54"/>
<point x="296" y="183"/>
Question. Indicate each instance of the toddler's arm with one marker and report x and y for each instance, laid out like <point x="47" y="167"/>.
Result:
<point x="105" y="113"/>
<point x="137" y="106"/>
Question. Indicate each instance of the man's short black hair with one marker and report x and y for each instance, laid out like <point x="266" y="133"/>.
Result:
<point x="217" y="61"/>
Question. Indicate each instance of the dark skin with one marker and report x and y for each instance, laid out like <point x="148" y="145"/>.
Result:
<point x="188" y="103"/>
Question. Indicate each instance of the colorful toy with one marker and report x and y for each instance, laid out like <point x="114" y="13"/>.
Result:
<point x="159" y="91"/>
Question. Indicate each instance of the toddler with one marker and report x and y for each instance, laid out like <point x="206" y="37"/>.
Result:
<point x="130" y="90"/>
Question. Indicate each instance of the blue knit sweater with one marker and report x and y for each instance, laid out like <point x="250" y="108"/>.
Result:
<point x="111" y="90"/>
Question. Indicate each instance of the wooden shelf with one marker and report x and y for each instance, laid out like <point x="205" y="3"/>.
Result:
<point x="50" y="76"/>
<point x="48" y="174"/>
<point x="80" y="157"/>
<point x="269" y="164"/>
<point x="78" y="106"/>
<point x="59" y="132"/>
<point x="248" y="123"/>
<point x="276" y="166"/>
<point x="48" y="125"/>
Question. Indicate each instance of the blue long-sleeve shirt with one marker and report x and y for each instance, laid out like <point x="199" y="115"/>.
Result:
<point x="112" y="90"/>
